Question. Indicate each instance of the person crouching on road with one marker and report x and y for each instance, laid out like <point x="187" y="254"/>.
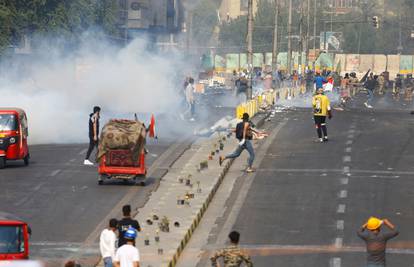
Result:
<point x="232" y="255"/>
<point x="93" y="133"/>
<point x="244" y="133"/>
<point x="128" y="255"/>
<point x="107" y="243"/>
<point x="376" y="240"/>
<point x="321" y="109"/>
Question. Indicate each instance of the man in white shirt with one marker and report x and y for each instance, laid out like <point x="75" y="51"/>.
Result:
<point x="128" y="255"/>
<point x="107" y="242"/>
<point x="189" y="95"/>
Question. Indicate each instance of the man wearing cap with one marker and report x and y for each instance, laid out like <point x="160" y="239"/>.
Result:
<point x="376" y="240"/>
<point x="128" y="255"/>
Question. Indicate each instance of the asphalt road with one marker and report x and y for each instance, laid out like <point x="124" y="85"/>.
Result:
<point x="307" y="199"/>
<point x="60" y="198"/>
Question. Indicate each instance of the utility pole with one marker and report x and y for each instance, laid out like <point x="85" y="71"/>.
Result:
<point x="189" y="29"/>
<point x="275" y="50"/>
<point x="300" y="38"/>
<point x="314" y="33"/>
<point x="307" y="34"/>
<point x="289" y="31"/>
<point x="250" y="48"/>
<point x="400" y="47"/>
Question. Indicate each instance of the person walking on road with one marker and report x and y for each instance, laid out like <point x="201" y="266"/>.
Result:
<point x="126" y="223"/>
<point x="376" y="240"/>
<point x="370" y="84"/>
<point x="244" y="133"/>
<point x="321" y="110"/>
<point x="93" y="133"/>
<point x="319" y="81"/>
<point x="232" y="255"/>
<point x="189" y="94"/>
<point x="128" y="255"/>
<point x="107" y="243"/>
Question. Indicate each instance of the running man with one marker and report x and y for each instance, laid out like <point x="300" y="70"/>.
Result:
<point x="321" y="110"/>
<point x="244" y="133"/>
<point x="93" y="133"/>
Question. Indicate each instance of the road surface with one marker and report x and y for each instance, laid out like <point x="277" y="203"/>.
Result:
<point x="305" y="202"/>
<point x="60" y="198"/>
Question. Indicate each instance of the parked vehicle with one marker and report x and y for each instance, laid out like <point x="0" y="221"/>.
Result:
<point x="14" y="238"/>
<point x="13" y="136"/>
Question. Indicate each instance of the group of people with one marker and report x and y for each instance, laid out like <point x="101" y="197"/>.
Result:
<point x="120" y="251"/>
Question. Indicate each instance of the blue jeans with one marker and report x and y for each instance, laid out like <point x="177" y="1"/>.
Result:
<point x="374" y="265"/>
<point x="108" y="262"/>
<point x="370" y="96"/>
<point x="249" y="147"/>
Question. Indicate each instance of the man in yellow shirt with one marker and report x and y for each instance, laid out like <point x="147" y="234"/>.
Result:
<point x="321" y="109"/>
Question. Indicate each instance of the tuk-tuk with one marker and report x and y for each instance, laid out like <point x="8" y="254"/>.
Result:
<point x="13" y="136"/>
<point x="14" y="238"/>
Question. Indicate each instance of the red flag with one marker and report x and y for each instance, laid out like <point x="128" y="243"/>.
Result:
<point x="152" y="127"/>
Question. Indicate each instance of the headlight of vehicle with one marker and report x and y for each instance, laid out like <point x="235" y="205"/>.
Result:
<point x="12" y="140"/>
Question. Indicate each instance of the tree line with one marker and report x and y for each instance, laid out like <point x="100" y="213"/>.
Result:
<point x="55" y="18"/>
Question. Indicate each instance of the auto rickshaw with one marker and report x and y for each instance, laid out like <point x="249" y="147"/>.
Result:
<point x="14" y="238"/>
<point x="13" y="136"/>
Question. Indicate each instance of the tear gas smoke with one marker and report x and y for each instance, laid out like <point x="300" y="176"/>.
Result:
<point x="58" y="90"/>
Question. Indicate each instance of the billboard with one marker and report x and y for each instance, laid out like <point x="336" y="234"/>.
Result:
<point x="334" y="41"/>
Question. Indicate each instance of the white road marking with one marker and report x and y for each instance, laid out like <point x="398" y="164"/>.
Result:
<point x="343" y="194"/>
<point x="338" y="242"/>
<point x="335" y="262"/>
<point x="348" y="150"/>
<point x="349" y="142"/>
<point x="54" y="173"/>
<point x="346" y="159"/>
<point x="346" y="169"/>
<point x="340" y="225"/>
<point x="351" y="131"/>
<point x="351" y="136"/>
<point x="72" y="160"/>
<point x="341" y="208"/>
<point x="83" y="151"/>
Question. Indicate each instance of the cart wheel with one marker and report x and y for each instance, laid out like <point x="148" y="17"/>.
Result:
<point x="100" y="182"/>
<point x="2" y="162"/>
<point x="142" y="183"/>
<point x="26" y="160"/>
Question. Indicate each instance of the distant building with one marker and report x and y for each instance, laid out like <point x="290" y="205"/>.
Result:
<point x="150" y="16"/>
<point x="342" y="6"/>
<point x="232" y="9"/>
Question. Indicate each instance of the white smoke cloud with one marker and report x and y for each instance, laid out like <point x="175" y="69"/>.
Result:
<point x="58" y="90"/>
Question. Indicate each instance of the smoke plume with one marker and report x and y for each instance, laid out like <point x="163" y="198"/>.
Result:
<point x="58" y="90"/>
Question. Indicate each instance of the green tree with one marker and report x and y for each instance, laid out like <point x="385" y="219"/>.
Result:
<point x="204" y="21"/>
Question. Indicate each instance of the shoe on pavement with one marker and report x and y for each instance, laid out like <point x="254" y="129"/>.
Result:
<point x="249" y="170"/>
<point x="88" y="162"/>
<point x="321" y="140"/>
<point x="369" y="106"/>
<point x="192" y="119"/>
<point x="325" y="139"/>
<point x="366" y="104"/>
<point x="221" y="159"/>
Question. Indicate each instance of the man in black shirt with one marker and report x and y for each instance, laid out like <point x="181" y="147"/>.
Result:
<point x="376" y="240"/>
<point x="93" y="133"/>
<point x="126" y="223"/>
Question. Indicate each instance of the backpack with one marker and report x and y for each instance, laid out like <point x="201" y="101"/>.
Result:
<point x="239" y="130"/>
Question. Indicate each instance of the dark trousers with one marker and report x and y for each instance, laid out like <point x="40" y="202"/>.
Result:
<point x="92" y="145"/>
<point x="320" y="122"/>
